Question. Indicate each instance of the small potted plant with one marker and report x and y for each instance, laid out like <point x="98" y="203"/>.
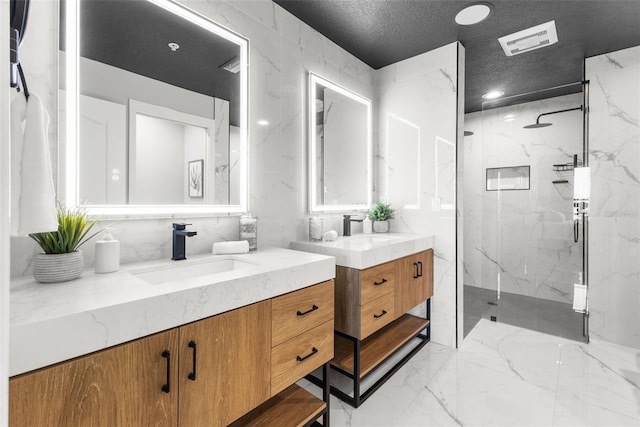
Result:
<point x="61" y="260"/>
<point x="380" y="214"/>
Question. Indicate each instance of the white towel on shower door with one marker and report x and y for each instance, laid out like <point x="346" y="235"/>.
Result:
<point x="579" y="298"/>
<point x="33" y="197"/>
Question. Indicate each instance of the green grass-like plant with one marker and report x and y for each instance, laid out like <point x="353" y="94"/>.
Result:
<point x="73" y="226"/>
<point x="381" y="212"/>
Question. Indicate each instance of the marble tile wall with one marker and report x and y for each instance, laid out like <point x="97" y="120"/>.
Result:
<point x="614" y="156"/>
<point x="423" y="91"/>
<point x="283" y="51"/>
<point x="522" y="241"/>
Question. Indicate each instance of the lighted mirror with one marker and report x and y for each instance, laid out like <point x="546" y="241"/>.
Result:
<point x="153" y="108"/>
<point x="340" y="148"/>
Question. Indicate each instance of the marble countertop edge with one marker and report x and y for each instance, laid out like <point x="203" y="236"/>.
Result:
<point x="45" y="330"/>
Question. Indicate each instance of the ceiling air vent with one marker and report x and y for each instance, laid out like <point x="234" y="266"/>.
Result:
<point x="530" y="39"/>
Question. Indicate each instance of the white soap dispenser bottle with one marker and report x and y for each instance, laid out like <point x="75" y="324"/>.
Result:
<point x="367" y="225"/>
<point x="107" y="254"/>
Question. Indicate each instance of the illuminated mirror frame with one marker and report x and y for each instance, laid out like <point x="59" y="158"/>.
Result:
<point x="314" y="207"/>
<point x="68" y="153"/>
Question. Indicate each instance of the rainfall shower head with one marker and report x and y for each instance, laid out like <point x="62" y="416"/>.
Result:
<point x="537" y="124"/>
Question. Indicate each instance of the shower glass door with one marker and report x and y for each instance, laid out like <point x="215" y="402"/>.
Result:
<point x="522" y="256"/>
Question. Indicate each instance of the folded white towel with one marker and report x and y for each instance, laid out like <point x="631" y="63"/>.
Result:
<point x="33" y="197"/>
<point x="239" y="247"/>
<point x="330" y="235"/>
<point x="579" y="298"/>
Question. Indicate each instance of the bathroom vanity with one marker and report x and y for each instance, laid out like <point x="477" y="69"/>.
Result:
<point x="211" y="348"/>
<point x="379" y="279"/>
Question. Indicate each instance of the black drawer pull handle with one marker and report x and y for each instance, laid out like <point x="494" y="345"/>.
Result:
<point x="313" y="351"/>
<point x="419" y="268"/>
<point x="192" y="375"/>
<point x="167" y="387"/>
<point x="415" y="273"/>
<point x="377" y="316"/>
<point x="380" y="283"/>
<point x="313" y="308"/>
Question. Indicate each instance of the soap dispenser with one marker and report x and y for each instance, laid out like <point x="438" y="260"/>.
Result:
<point x="367" y="225"/>
<point x="107" y="254"/>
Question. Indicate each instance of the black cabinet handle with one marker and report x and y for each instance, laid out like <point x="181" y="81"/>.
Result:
<point x="167" y="387"/>
<point x="377" y="316"/>
<point x="313" y="308"/>
<point x="415" y="271"/>
<point x="380" y="283"/>
<point x="419" y="268"/>
<point x="313" y="351"/>
<point x="192" y="374"/>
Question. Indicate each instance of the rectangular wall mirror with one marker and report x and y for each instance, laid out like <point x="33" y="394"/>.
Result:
<point x="340" y="148"/>
<point x="153" y="110"/>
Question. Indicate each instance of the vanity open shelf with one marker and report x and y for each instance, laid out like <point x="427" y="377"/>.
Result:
<point x="294" y="406"/>
<point x="353" y="356"/>
<point x="377" y="348"/>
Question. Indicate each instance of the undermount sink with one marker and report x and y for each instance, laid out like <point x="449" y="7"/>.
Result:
<point x="184" y="270"/>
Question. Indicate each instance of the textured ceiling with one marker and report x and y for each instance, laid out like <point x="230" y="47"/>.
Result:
<point x="381" y="32"/>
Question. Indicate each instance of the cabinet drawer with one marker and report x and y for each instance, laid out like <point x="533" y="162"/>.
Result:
<point x="377" y="281"/>
<point x="296" y="358"/>
<point x="376" y="314"/>
<point x="299" y="311"/>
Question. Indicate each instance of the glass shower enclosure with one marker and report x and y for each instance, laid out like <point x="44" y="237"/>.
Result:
<point x="524" y="236"/>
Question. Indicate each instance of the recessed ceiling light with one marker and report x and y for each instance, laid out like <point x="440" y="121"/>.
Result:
<point x="173" y="46"/>
<point x="473" y="13"/>
<point x="263" y="122"/>
<point x="509" y="117"/>
<point x="493" y="94"/>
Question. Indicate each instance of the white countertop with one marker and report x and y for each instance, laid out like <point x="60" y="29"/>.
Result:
<point x="362" y="251"/>
<point x="55" y="322"/>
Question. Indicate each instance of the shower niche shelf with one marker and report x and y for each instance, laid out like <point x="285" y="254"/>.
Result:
<point x="508" y="178"/>
<point x="565" y="167"/>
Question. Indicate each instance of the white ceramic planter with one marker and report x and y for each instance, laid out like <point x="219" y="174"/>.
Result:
<point x="381" y="226"/>
<point x="54" y="268"/>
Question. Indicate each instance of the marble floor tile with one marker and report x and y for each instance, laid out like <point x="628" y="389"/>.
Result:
<point x="504" y="375"/>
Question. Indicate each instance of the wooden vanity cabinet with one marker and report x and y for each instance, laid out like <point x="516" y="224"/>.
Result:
<point x="239" y="364"/>
<point x="371" y="317"/>
<point x="364" y="299"/>
<point x="120" y="386"/>
<point x="231" y="370"/>
<point x="416" y="276"/>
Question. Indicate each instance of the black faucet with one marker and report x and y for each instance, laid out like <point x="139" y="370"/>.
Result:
<point x="346" y="224"/>
<point x="179" y="246"/>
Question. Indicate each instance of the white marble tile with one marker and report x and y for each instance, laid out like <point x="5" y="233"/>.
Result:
<point x="506" y="376"/>
<point x="283" y="50"/>
<point x="422" y="91"/>
<point x="614" y="241"/>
